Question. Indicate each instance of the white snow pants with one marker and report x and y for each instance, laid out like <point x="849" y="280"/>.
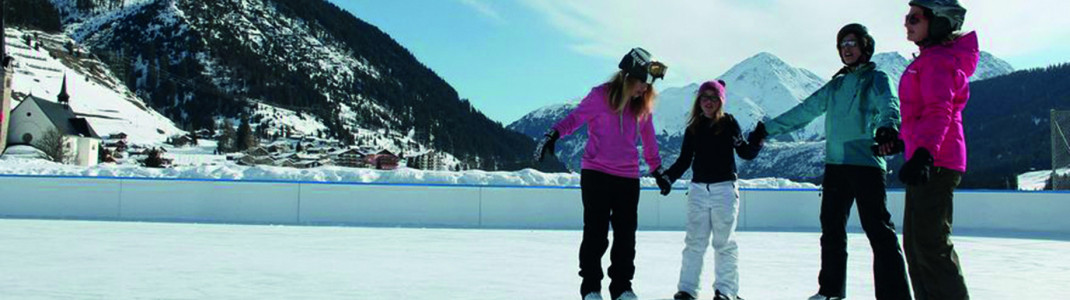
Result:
<point x="712" y="209"/>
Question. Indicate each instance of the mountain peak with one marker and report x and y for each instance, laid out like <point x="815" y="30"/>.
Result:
<point x="765" y="59"/>
<point x="991" y="66"/>
<point x="888" y="56"/>
<point x="891" y="63"/>
<point x="765" y="64"/>
<point x="765" y="71"/>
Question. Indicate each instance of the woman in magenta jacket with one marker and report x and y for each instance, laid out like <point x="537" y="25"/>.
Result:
<point x="618" y="114"/>
<point x="933" y="92"/>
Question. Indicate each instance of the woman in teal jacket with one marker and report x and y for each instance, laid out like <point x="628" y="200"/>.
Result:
<point x="860" y="109"/>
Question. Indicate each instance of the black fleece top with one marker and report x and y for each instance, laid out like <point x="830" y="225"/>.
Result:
<point x="712" y="147"/>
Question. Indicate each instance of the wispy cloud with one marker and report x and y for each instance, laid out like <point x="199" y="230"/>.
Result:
<point x="702" y="38"/>
<point x="484" y="9"/>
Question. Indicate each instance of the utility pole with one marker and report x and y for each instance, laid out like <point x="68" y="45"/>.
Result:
<point x="5" y="82"/>
<point x="3" y="26"/>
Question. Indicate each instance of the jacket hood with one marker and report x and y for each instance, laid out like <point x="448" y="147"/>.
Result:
<point x="964" y="49"/>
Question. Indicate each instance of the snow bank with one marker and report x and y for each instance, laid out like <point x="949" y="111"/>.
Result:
<point x="28" y="165"/>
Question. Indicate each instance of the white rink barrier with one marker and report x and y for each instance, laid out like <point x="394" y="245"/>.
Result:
<point x="460" y="206"/>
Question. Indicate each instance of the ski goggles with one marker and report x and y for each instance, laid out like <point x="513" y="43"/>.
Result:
<point x="848" y="43"/>
<point x="656" y="70"/>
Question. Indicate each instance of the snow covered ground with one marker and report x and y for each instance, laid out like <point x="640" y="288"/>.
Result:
<point x="199" y="163"/>
<point x="1036" y="180"/>
<point x="120" y="260"/>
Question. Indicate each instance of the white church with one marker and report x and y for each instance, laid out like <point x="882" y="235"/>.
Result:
<point x="34" y="117"/>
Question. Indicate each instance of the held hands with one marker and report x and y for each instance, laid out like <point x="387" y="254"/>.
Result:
<point x="916" y="170"/>
<point x="663" y="180"/>
<point x="546" y="144"/>
<point x="758" y="135"/>
<point x="888" y="142"/>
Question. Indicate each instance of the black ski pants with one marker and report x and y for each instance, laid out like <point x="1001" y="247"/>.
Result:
<point x="608" y="199"/>
<point x="843" y="184"/>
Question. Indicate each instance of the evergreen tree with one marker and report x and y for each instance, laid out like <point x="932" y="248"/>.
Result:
<point x="245" y="139"/>
<point x="155" y="158"/>
<point x="211" y="128"/>
<point x="32" y="14"/>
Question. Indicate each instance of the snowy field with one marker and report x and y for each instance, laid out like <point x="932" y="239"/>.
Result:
<point x="121" y="260"/>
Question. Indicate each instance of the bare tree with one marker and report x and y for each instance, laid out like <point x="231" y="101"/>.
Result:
<point x="227" y="140"/>
<point x="52" y="146"/>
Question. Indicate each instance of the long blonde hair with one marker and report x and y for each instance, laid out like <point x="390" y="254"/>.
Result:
<point x="697" y="118"/>
<point x="619" y="99"/>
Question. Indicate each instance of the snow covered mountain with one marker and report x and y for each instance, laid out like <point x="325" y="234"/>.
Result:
<point x="893" y="64"/>
<point x="988" y="66"/>
<point x="569" y="149"/>
<point x="760" y="87"/>
<point x="339" y="77"/>
<point x="42" y="60"/>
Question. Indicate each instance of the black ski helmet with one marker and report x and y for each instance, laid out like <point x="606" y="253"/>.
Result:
<point x="862" y="33"/>
<point x="946" y="17"/>
<point x="639" y="65"/>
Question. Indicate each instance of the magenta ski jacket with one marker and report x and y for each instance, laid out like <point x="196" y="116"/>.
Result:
<point x="933" y="92"/>
<point x="611" y="143"/>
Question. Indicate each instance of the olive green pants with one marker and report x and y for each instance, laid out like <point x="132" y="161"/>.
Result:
<point x="934" y="266"/>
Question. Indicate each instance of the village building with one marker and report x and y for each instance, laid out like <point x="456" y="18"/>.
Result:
<point x="34" y="117"/>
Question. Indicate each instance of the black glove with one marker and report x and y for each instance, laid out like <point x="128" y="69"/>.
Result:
<point x="546" y="144"/>
<point x="758" y="134"/>
<point x="663" y="180"/>
<point x="916" y="170"/>
<point x="887" y="136"/>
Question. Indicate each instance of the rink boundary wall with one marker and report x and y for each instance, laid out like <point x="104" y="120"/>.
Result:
<point x="460" y="206"/>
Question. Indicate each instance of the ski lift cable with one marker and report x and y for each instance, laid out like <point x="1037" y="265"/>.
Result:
<point x="1062" y="134"/>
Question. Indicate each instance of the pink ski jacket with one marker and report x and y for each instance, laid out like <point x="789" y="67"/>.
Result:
<point x="933" y="92"/>
<point x="611" y="144"/>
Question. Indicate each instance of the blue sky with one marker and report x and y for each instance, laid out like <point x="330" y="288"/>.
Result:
<point x="510" y="57"/>
<point x="508" y="63"/>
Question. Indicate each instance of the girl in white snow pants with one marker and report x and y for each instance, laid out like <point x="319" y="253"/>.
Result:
<point x="711" y="142"/>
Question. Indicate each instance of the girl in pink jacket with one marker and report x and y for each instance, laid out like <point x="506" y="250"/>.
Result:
<point x="933" y="92"/>
<point x="618" y="114"/>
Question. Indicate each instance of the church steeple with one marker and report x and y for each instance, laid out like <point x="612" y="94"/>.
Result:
<point x="63" y="97"/>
